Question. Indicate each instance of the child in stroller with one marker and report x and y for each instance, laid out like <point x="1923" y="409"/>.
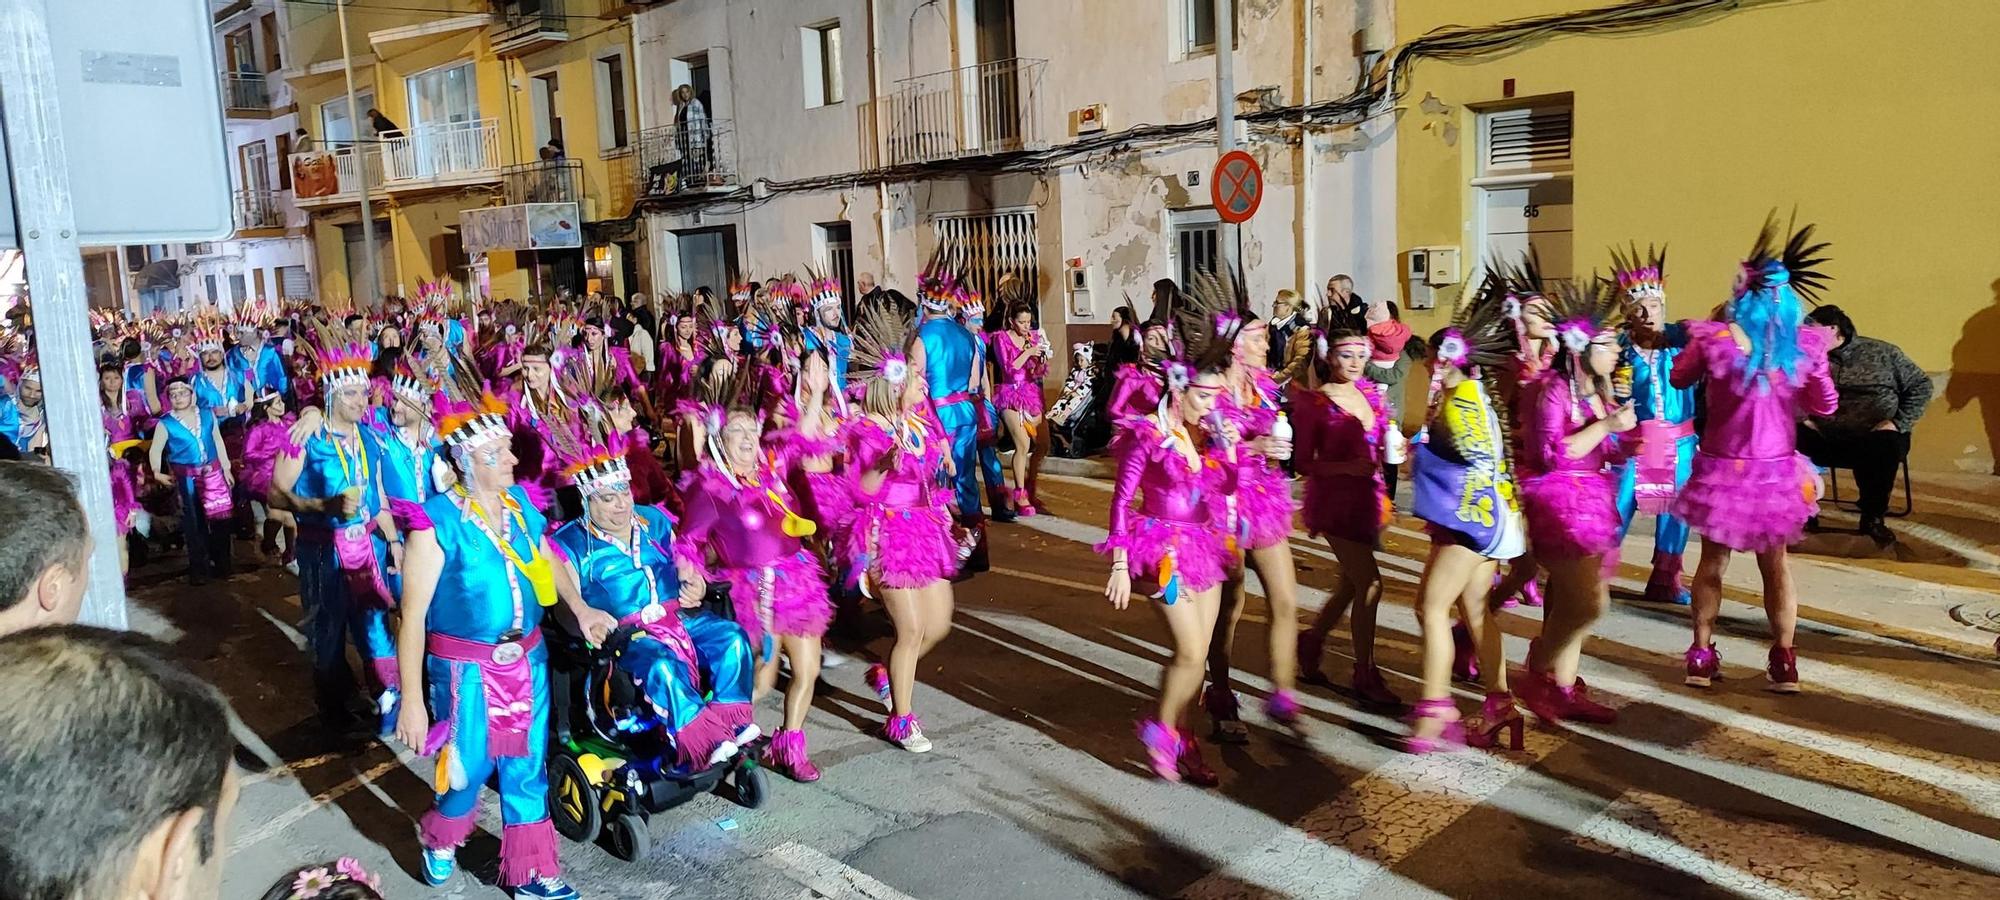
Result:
<point x="1078" y="418"/>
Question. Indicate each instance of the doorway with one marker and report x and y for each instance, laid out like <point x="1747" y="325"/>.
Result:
<point x="707" y="257"/>
<point x="1519" y="219"/>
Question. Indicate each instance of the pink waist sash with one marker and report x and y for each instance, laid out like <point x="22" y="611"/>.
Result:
<point x="507" y="674"/>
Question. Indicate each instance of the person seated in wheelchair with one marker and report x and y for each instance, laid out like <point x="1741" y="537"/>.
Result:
<point x="693" y="670"/>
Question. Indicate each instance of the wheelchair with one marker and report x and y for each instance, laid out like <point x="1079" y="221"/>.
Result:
<point x="611" y="766"/>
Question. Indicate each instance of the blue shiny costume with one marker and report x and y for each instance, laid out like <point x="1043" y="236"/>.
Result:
<point x="208" y="545"/>
<point x="10" y="419"/>
<point x="473" y="602"/>
<point x="406" y="476"/>
<point x="235" y="389"/>
<point x="1675" y="406"/>
<point x="265" y="376"/>
<point x="842" y="350"/>
<point x="612" y="583"/>
<point x="332" y="615"/>
<point x="989" y="454"/>
<point x="949" y="354"/>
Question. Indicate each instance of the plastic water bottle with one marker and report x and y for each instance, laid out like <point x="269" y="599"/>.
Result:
<point x="1281" y="430"/>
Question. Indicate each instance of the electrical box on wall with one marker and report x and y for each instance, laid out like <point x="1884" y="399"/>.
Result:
<point x="1425" y="269"/>
<point x="1082" y="307"/>
<point x="1087" y="120"/>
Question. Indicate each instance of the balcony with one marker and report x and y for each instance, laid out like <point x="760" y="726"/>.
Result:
<point x="332" y="177"/>
<point x="246" y="95"/>
<point x="529" y="25"/>
<point x="980" y="110"/>
<point x="549" y="181"/>
<point x="426" y="156"/>
<point x="259" y="211"/>
<point x="693" y="158"/>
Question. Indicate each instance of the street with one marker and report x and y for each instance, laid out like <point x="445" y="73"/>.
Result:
<point x="1881" y="780"/>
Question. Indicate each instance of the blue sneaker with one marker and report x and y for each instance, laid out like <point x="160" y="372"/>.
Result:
<point x="387" y="707"/>
<point x="439" y="865"/>
<point x="547" y="889"/>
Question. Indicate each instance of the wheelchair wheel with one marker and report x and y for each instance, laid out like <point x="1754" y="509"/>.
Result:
<point x="630" y="841"/>
<point x="748" y="779"/>
<point x="572" y="800"/>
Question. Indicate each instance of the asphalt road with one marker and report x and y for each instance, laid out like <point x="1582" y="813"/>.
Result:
<point x="1881" y="780"/>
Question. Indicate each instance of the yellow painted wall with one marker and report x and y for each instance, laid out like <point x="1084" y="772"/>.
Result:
<point x="1872" y="118"/>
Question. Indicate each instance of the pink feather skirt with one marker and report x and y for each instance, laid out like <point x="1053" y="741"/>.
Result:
<point x="1024" y="397"/>
<point x="1200" y="556"/>
<point x="799" y="604"/>
<point x="1264" y="504"/>
<point x="912" y="546"/>
<point x="1571" y="514"/>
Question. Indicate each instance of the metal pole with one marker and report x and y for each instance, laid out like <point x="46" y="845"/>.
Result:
<point x="1225" y="114"/>
<point x="45" y="220"/>
<point x="370" y="266"/>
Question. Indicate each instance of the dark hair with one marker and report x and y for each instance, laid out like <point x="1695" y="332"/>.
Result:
<point x="45" y="528"/>
<point x="344" y="889"/>
<point x="261" y="409"/>
<point x="130" y="349"/>
<point x="1125" y="314"/>
<point x="644" y="318"/>
<point x="1833" y="317"/>
<point x="90" y="714"/>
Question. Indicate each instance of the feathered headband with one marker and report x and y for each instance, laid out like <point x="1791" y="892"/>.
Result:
<point x="826" y="294"/>
<point x="591" y="452"/>
<point x="342" y="357"/>
<point x="467" y="415"/>
<point x="1640" y="277"/>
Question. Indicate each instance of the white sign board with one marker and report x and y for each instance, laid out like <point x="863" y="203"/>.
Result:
<point x="140" y="94"/>
<point x="522" y="226"/>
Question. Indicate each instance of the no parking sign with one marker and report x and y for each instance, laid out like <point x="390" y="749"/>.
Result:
<point x="1237" y="187"/>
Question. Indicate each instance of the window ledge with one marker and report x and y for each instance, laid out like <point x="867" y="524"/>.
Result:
<point x="616" y="152"/>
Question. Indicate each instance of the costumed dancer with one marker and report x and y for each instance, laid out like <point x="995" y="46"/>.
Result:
<point x="696" y="670"/>
<point x="28" y="427"/>
<point x="1256" y="518"/>
<point x="1021" y="355"/>
<point x="1535" y="348"/>
<point x="950" y="356"/>
<point x="828" y="331"/>
<point x="142" y="386"/>
<point x="331" y="481"/>
<point x="740" y="525"/>
<point x="1568" y="449"/>
<point x="413" y="466"/>
<point x="606" y="368"/>
<point x="188" y="456"/>
<point x="1180" y="462"/>
<point x="527" y="413"/>
<point x="972" y="314"/>
<point x="1343" y="433"/>
<point x="120" y="440"/>
<point x="478" y="579"/>
<point x="900" y="542"/>
<point x="1751" y="490"/>
<point x="1665" y="439"/>
<point x="268" y="438"/>
<point x="260" y="363"/>
<point x="1463" y="484"/>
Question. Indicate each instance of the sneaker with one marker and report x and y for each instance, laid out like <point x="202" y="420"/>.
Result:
<point x="878" y="681"/>
<point x="387" y="707"/>
<point x="1704" y="666"/>
<point x="907" y="732"/>
<point x="547" y="889"/>
<point x="439" y="865"/>
<point x="830" y="658"/>
<point x="1783" y="671"/>
<point x="1878" y="531"/>
<point x="722" y="753"/>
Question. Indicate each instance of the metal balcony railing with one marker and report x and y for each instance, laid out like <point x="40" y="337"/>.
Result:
<point x="332" y="176"/>
<point x="989" y="108"/>
<point x="548" y="181"/>
<point x="246" y="91"/>
<point x="687" y="158"/>
<point x="259" y="209"/>
<point x="527" y="25"/>
<point x="444" y="151"/>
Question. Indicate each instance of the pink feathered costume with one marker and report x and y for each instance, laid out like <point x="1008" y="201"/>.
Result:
<point x="1263" y="496"/>
<point x="1179" y="505"/>
<point x="776" y="584"/>
<point x="1751" y="490"/>
<point x="1341" y="505"/>
<point x="1571" y="504"/>
<point x="900" y="533"/>
<point x="1018" y="382"/>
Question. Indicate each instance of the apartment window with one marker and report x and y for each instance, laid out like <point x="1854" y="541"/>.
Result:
<point x="442" y="96"/>
<point x="293" y="281"/>
<point x="274" y="54"/>
<point x="613" y="129"/>
<point x="237" y="288"/>
<point x="542" y="96"/>
<point x="1198" y="26"/>
<point x="334" y="127"/>
<point x="821" y="46"/>
<point x="241" y="56"/>
<point x="208" y="281"/>
<point x="1197" y="235"/>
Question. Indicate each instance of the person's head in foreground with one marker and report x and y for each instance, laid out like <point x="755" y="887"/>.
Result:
<point x="116" y="778"/>
<point x="44" y="548"/>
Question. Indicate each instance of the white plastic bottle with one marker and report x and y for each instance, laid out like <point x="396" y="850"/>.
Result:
<point x="1281" y="430"/>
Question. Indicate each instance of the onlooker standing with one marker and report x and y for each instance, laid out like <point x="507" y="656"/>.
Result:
<point x="643" y="340"/>
<point x="1882" y="395"/>
<point x="115" y="772"/>
<point x="44" y="550"/>
<point x="1288" y="317"/>
<point x="385" y="128"/>
<point x="1124" y="338"/>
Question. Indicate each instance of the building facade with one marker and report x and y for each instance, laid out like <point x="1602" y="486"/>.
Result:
<point x="1070" y="144"/>
<point x="1689" y="131"/>
<point x="489" y="164"/>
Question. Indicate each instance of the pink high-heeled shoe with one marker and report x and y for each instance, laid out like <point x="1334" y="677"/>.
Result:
<point x="1022" y="504"/>
<point x="1163" y="749"/>
<point x="1496" y="715"/>
<point x="1194" y="769"/>
<point x="1440" y="709"/>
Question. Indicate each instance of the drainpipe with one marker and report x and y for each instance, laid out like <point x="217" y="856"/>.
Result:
<point x="881" y="140"/>
<point x="1308" y="160"/>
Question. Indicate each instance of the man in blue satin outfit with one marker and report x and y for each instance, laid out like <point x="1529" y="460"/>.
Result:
<point x="1665" y="436"/>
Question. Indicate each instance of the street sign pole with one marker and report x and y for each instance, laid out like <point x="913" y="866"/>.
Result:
<point x="1225" y="115"/>
<point x="45" y="220"/>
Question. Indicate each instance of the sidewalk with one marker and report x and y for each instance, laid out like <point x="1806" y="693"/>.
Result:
<point x="1944" y="571"/>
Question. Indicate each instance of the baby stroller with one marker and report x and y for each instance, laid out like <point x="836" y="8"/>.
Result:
<point x="611" y="767"/>
<point x="1078" y="419"/>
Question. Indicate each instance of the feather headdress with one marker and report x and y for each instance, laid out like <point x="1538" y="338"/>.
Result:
<point x="341" y="356"/>
<point x="826" y="292"/>
<point x="1640" y="277"/>
<point x="1772" y="288"/>
<point x="1209" y="320"/>
<point x="589" y="449"/>
<point x="881" y="347"/>
<point x="466" y="414"/>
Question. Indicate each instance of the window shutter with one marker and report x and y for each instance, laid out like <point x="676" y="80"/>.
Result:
<point x="1535" y="139"/>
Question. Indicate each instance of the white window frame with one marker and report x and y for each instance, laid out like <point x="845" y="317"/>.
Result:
<point x="541" y="109"/>
<point x="824" y="84"/>
<point x="606" y="135"/>
<point x="1183" y="31"/>
<point x="410" y="81"/>
<point x="364" y="97"/>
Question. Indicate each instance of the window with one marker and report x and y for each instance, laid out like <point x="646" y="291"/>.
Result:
<point x="294" y="282"/>
<point x="1198" y="27"/>
<point x="834" y="247"/>
<point x="334" y="128"/>
<point x="821" y="46"/>
<point x="284" y="162"/>
<point x="993" y="246"/>
<point x="613" y="129"/>
<point x="241" y="58"/>
<point x="274" y="54"/>
<point x="542" y="97"/>
<point x="237" y="292"/>
<point x="442" y="96"/>
<point x="208" y="281"/>
<point x="1197" y="235"/>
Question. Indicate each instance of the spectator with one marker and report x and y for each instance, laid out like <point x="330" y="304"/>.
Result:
<point x="385" y="129"/>
<point x="1392" y="350"/>
<point x="302" y="141"/>
<point x="44" y="550"/>
<point x="1124" y="338"/>
<point x="1340" y="293"/>
<point x="1288" y="317"/>
<point x="1166" y="296"/>
<point x="115" y="773"/>
<point x="644" y="339"/>
<point x="1882" y="395"/>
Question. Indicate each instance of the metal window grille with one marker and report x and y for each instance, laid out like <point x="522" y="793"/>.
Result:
<point x="1536" y="138"/>
<point x="990" y="246"/>
<point x="1197" y="244"/>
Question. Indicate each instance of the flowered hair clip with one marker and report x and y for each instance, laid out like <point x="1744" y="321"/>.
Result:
<point x="895" y="369"/>
<point x="1452" y="349"/>
<point x="1177" y="374"/>
<point x="1576" y="335"/>
<point x="315" y="881"/>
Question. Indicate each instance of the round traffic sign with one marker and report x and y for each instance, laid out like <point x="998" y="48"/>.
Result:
<point x="1237" y="187"/>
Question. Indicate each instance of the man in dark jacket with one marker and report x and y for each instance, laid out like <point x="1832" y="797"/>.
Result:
<point x="1882" y="395"/>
